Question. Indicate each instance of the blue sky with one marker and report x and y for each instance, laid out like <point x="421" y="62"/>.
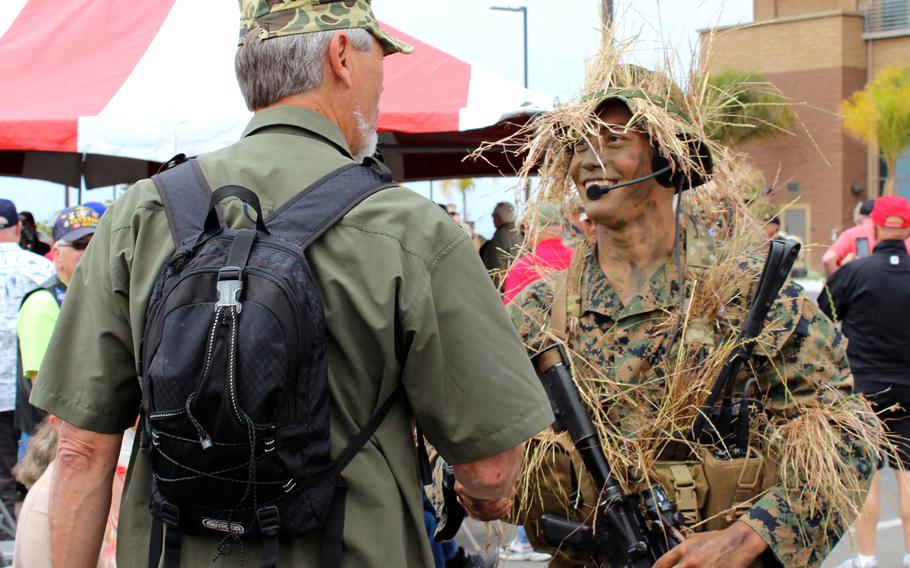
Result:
<point x="561" y="35"/>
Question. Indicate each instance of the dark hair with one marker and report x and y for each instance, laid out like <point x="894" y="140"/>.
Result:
<point x="866" y="207"/>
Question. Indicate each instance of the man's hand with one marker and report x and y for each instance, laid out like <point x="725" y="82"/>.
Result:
<point x="850" y="257"/>
<point x="482" y="509"/>
<point x="485" y="487"/>
<point x="734" y="547"/>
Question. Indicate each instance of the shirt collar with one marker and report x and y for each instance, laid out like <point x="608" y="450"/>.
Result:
<point x="597" y="295"/>
<point x="10" y="246"/>
<point x="298" y="118"/>
<point x="890" y="246"/>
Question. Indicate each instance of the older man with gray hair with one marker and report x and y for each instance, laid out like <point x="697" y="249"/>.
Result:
<point x="499" y="252"/>
<point x="407" y="306"/>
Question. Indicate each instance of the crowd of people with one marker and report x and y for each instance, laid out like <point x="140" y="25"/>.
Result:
<point x="195" y="381"/>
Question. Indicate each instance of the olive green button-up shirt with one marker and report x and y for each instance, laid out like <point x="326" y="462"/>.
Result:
<point x="406" y="300"/>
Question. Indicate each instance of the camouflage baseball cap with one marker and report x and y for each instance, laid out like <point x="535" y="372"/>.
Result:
<point x="275" y="18"/>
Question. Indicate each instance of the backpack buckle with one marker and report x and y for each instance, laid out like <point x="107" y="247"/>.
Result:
<point x="268" y="520"/>
<point x="230" y="283"/>
<point x="170" y="514"/>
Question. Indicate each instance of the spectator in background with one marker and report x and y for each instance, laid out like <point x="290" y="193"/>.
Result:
<point x="20" y="272"/>
<point x="498" y="252"/>
<point x="453" y="212"/>
<point x="476" y="237"/>
<point x="871" y="296"/>
<point x="550" y="255"/>
<point x="96" y="206"/>
<point x="856" y="242"/>
<point x="29" y="236"/>
<point x="73" y="231"/>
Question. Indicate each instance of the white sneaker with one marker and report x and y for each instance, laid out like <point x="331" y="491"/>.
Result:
<point x="859" y="562"/>
<point x="522" y="551"/>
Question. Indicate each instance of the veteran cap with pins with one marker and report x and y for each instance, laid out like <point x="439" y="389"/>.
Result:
<point x="276" y="18"/>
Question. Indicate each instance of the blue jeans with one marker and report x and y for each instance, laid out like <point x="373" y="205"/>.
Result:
<point x="442" y="551"/>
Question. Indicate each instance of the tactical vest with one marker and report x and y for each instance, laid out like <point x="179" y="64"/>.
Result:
<point x="26" y="416"/>
<point x="710" y="492"/>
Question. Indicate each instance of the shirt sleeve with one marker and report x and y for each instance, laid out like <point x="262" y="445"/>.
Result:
<point x="88" y="377"/>
<point x="809" y="370"/>
<point x="831" y="300"/>
<point x="845" y="244"/>
<point x="468" y="378"/>
<point x="35" y="326"/>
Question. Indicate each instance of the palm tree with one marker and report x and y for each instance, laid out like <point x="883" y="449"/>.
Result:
<point x="463" y="186"/>
<point x="879" y="115"/>
<point x="745" y="108"/>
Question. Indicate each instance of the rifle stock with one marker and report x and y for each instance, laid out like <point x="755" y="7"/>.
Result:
<point x="624" y="536"/>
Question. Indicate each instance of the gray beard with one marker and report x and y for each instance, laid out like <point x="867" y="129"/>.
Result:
<point x="368" y="137"/>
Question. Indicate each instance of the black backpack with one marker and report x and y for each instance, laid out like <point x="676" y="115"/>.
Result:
<point x="235" y="400"/>
<point x="27" y="417"/>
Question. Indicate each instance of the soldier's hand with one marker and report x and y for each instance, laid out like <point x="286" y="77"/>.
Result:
<point x="734" y="547"/>
<point x="482" y="509"/>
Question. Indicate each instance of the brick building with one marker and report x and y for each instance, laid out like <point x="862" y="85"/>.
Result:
<point x="818" y="52"/>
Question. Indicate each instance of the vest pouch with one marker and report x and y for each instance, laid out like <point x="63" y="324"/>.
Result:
<point x="735" y="486"/>
<point x="685" y="483"/>
<point x="559" y="486"/>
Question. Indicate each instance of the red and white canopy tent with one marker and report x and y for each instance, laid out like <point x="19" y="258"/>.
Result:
<point x="105" y="90"/>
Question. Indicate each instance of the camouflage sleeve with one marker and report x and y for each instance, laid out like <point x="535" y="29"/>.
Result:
<point x="530" y="311"/>
<point x="805" y="376"/>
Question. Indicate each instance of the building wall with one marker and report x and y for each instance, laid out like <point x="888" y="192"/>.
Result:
<point x="815" y="62"/>
<point x="770" y="9"/>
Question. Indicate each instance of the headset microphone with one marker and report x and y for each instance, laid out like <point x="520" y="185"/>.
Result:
<point x="595" y="192"/>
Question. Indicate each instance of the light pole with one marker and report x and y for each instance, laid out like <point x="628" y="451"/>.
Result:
<point x="524" y="16"/>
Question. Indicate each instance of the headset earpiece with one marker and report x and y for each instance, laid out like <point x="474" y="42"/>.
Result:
<point x="699" y="154"/>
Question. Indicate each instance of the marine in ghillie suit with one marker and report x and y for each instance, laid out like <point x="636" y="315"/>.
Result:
<point x="650" y="314"/>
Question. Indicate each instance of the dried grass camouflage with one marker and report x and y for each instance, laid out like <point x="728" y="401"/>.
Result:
<point x="820" y="441"/>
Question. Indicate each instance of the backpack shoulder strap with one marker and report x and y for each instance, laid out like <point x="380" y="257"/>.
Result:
<point x="310" y="213"/>
<point x="185" y="195"/>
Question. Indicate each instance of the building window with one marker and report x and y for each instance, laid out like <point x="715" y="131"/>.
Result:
<point x="795" y="221"/>
<point x="793" y="186"/>
<point x="901" y="178"/>
<point x="886" y="17"/>
<point x="903" y="175"/>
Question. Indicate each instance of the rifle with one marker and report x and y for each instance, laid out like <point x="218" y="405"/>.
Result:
<point x="782" y="254"/>
<point x="629" y="531"/>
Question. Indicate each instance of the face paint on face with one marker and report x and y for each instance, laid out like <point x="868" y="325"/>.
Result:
<point x="618" y="153"/>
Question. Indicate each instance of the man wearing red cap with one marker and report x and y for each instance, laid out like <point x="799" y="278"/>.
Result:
<point x="871" y="296"/>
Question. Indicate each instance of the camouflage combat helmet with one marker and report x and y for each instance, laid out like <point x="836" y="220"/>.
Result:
<point x="276" y="18"/>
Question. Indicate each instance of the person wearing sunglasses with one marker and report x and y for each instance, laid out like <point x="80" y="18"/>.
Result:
<point x="73" y="230"/>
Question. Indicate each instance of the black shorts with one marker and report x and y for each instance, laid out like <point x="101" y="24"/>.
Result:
<point x="883" y="395"/>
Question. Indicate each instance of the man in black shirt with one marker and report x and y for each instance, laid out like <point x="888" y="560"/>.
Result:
<point x="871" y="297"/>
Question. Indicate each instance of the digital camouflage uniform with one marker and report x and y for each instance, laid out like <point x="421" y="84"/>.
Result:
<point x="801" y="361"/>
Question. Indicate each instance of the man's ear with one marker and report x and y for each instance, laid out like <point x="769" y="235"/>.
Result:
<point x="339" y="52"/>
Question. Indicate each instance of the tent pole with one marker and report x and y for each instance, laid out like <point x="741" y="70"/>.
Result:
<point x="66" y="199"/>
